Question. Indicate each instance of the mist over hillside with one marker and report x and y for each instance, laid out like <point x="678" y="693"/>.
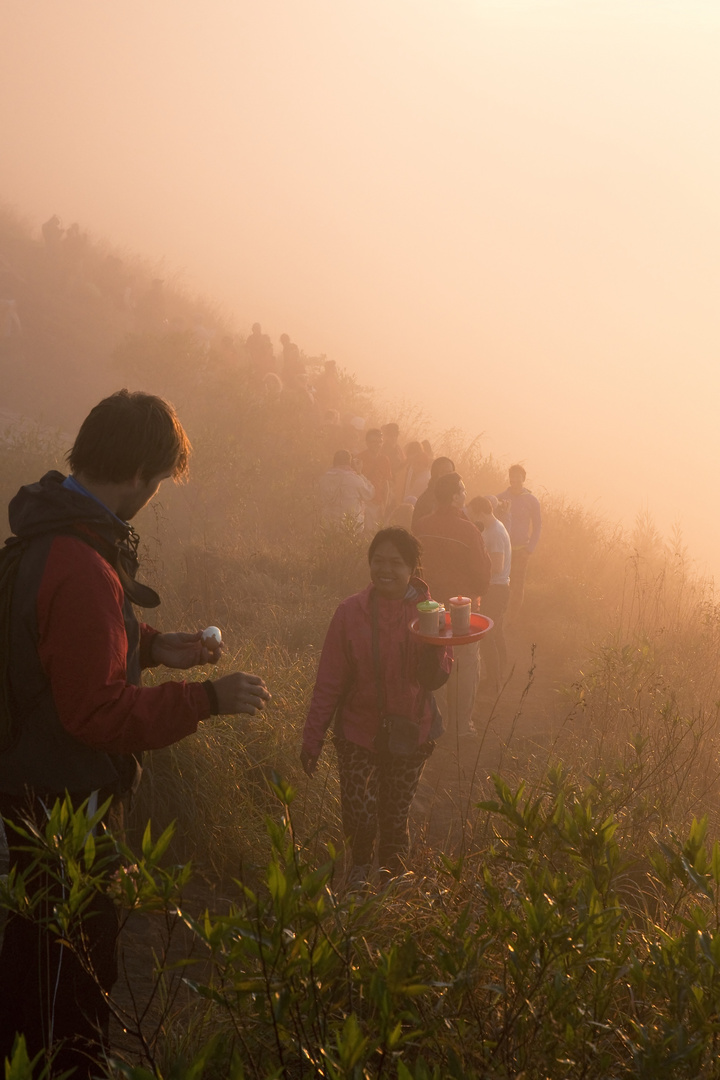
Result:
<point x="504" y="212"/>
<point x="84" y="318"/>
<point x="556" y="838"/>
<point x="495" y="223"/>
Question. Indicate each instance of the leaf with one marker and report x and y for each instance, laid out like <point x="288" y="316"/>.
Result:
<point x="89" y="851"/>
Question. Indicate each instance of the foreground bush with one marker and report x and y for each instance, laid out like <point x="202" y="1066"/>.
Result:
<point x="558" y="951"/>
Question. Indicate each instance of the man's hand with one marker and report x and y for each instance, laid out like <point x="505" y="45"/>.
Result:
<point x="241" y="693"/>
<point x="184" y="650"/>
<point x="308" y="762"/>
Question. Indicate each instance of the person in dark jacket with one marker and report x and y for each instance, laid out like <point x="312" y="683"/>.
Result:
<point x="77" y="717"/>
<point x="521" y="515"/>
<point x="426" y="504"/>
<point x="456" y="564"/>
<point x="372" y="667"/>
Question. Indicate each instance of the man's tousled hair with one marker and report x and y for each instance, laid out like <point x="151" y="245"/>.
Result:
<point x="130" y="433"/>
<point x="480" y="505"/>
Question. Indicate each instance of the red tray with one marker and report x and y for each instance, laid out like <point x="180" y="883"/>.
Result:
<point x="479" y="626"/>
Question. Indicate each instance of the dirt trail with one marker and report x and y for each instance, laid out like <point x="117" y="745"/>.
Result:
<point x="522" y="723"/>
<point x="150" y="944"/>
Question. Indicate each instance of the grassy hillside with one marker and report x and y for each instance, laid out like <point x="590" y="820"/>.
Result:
<point x="553" y="910"/>
<point x="617" y="633"/>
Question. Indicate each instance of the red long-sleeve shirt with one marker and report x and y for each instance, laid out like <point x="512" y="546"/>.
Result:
<point x="82" y="646"/>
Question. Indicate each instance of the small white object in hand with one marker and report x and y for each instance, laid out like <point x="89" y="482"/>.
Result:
<point x="211" y="635"/>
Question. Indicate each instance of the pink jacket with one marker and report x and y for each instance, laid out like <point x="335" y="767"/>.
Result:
<point x="411" y="669"/>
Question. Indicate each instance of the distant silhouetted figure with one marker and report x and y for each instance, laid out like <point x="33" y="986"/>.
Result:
<point x="343" y="492"/>
<point x="75" y="243"/>
<point x="495" y="598"/>
<point x="52" y="233"/>
<point x="391" y="446"/>
<point x="258" y="347"/>
<point x="441" y="466"/>
<point x="327" y="387"/>
<point x="293" y="367"/>
<point x="150" y="309"/>
<point x="521" y="514"/>
<point x="376" y="466"/>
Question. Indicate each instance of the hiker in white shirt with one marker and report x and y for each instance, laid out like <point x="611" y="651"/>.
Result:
<point x="343" y="492"/>
<point x="495" y="599"/>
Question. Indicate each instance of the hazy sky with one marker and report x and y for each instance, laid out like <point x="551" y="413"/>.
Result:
<point x="505" y="210"/>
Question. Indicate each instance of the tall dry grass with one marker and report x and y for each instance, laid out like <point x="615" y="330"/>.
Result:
<point x="619" y="632"/>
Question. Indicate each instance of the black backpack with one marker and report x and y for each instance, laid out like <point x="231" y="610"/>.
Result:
<point x="10" y="557"/>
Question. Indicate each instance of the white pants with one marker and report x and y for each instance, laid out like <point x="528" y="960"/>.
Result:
<point x="461" y="686"/>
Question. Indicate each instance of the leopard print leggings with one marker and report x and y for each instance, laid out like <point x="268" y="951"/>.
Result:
<point x="376" y="792"/>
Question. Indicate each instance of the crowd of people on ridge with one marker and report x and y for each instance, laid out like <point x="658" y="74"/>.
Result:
<point x="413" y="509"/>
<point x="427" y="541"/>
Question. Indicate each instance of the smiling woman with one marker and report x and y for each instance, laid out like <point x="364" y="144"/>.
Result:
<point x="374" y="684"/>
<point x="393" y="562"/>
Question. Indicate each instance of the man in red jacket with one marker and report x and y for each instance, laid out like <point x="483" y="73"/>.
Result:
<point x="455" y="563"/>
<point x="75" y="716"/>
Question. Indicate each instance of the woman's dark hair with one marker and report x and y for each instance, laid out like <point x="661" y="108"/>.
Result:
<point x="439" y="464"/>
<point x="407" y="545"/>
<point x="446" y="487"/>
<point x="126" y="434"/>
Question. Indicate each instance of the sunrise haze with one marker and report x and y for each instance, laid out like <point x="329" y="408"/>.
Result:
<point x="504" y="212"/>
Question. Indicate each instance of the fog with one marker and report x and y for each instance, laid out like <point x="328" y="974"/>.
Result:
<point x="505" y="212"/>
